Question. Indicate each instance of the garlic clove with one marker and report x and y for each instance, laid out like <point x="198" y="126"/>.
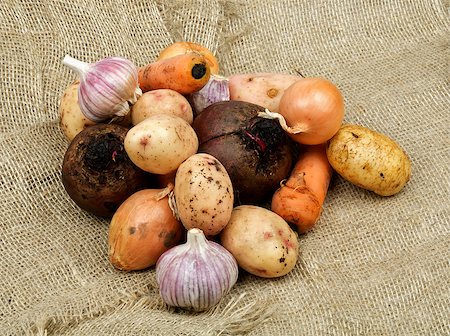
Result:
<point x="197" y="274"/>
<point x="214" y="91"/>
<point x="107" y="87"/>
<point x="122" y="109"/>
<point x="136" y="94"/>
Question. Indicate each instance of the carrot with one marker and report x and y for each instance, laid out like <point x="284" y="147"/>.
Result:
<point x="178" y="48"/>
<point x="299" y="200"/>
<point x="186" y="73"/>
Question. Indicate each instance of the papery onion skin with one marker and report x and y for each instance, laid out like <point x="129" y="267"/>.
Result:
<point x="315" y="108"/>
<point x="197" y="274"/>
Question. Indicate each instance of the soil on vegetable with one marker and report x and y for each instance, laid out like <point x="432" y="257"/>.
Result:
<point x="104" y="150"/>
<point x="266" y="137"/>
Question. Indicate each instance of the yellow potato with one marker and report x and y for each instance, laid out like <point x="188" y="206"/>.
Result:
<point x="203" y="194"/>
<point x="263" y="89"/>
<point x="369" y="160"/>
<point x="261" y="241"/>
<point x="160" y="143"/>
<point x="161" y="101"/>
<point x="71" y="120"/>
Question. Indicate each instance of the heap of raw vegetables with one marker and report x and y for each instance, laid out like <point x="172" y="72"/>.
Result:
<point x="202" y="175"/>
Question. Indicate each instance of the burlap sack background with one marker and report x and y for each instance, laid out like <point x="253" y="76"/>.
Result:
<point x="372" y="266"/>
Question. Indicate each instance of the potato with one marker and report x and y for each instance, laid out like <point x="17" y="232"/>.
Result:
<point x="71" y="120"/>
<point x="162" y="101"/>
<point x="203" y="194"/>
<point x="160" y="143"/>
<point x="262" y="242"/>
<point x="369" y="160"/>
<point x="264" y="89"/>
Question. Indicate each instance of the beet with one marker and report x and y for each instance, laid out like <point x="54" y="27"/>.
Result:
<point x="97" y="172"/>
<point x="255" y="151"/>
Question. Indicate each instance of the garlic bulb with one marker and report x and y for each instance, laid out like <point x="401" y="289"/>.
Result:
<point x="216" y="90"/>
<point x="197" y="274"/>
<point x="107" y="88"/>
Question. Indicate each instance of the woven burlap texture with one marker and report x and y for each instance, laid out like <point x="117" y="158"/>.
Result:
<point x="371" y="266"/>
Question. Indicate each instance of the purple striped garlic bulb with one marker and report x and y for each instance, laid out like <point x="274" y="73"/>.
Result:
<point x="107" y="87"/>
<point x="216" y="90"/>
<point x="197" y="274"/>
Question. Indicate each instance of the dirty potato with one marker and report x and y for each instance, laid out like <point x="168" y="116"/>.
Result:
<point x="369" y="160"/>
<point x="71" y="120"/>
<point x="261" y="241"/>
<point x="160" y="143"/>
<point x="203" y="194"/>
<point x="264" y="89"/>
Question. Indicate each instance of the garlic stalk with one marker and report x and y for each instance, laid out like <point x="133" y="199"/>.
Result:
<point x="197" y="274"/>
<point x="107" y="88"/>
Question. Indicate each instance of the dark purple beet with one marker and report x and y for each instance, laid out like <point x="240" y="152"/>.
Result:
<point x="97" y="173"/>
<point x="255" y="151"/>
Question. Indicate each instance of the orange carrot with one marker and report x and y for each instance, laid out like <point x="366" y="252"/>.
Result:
<point x="186" y="73"/>
<point x="178" y="48"/>
<point x="299" y="200"/>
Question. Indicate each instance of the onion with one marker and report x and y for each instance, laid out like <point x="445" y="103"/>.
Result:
<point x="311" y="111"/>
<point x="142" y="229"/>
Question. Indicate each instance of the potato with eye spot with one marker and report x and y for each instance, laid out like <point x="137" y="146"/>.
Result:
<point x="369" y="160"/>
<point x="203" y="194"/>
<point x="160" y="143"/>
<point x="261" y="241"/>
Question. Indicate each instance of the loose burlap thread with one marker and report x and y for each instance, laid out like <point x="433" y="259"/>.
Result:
<point x="371" y="266"/>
